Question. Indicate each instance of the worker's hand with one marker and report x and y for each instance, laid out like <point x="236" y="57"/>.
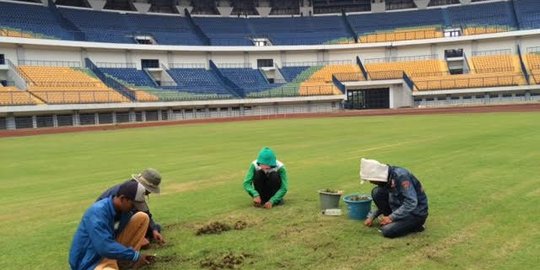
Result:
<point x="158" y="237"/>
<point x="268" y="205"/>
<point x="386" y="220"/>
<point x="368" y="222"/>
<point x="257" y="201"/>
<point x="144" y="259"/>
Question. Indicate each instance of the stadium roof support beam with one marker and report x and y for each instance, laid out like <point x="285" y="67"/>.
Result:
<point x="225" y="11"/>
<point x="378" y="6"/>
<point x="142" y="7"/>
<point x="421" y="4"/>
<point x="264" y="11"/>
<point x="97" y="4"/>
<point x="306" y="9"/>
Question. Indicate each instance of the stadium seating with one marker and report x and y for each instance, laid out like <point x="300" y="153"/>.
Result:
<point x="143" y="96"/>
<point x="302" y="30"/>
<point x="293" y="74"/>
<point x="280" y="31"/>
<point x="402" y="34"/>
<point x="496" y="63"/>
<point x="6" y="32"/>
<point x="528" y="13"/>
<point x="414" y="68"/>
<point x="533" y="61"/>
<point x="197" y="80"/>
<point x="369" y="23"/>
<point x="250" y="80"/>
<point x="122" y="28"/>
<point x="320" y="83"/>
<point x="30" y="20"/>
<point x="14" y="96"/>
<point x="491" y="14"/>
<point x="67" y="85"/>
<point x="226" y="31"/>
<point x="130" y="76"/>
<point x="469" y="81"/>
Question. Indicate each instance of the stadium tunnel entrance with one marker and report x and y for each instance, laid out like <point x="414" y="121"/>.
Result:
<point x="380" y="94"/>
<point x="378" y="98"/>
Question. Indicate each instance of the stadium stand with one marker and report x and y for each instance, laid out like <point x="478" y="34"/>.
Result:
<point x="383" y="69"/>
<point x="320" y="82"/>
<point x="280" y="31"/>
<point x="403" y="34"/>
<point x="67" y="85"/>
<point x="197" y="81"/>
<point x="483" y="18"/>
<point x="528" y="13"/>
<point x="12" y="96"/>
<point x="488" y="71"/>
<point x="496" y="63"/>
<point x="123" y="28"/>
<point x="367" y="25"/>
<point x="130" y="76"/>
<point x="533" y="61"/>
<point x="250" y="80"/>
<point x="30" y="21"/>
<point x="114" y="27"/>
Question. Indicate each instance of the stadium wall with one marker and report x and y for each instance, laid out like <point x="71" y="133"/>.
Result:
<point x="21" y="49"/>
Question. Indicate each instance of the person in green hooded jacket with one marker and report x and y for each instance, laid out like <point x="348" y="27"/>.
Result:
<point x="266" y="180"/>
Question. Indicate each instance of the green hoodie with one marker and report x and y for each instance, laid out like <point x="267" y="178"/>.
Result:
<point x="266" y="157"/>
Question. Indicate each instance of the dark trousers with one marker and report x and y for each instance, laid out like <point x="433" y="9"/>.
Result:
<point x="266" y="184"/>
<point x="398" y="227"/>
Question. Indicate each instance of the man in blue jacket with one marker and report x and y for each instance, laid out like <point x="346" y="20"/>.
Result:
<point x="94" y="245"/>
<point x="150" y="179"/>
<point x="399" y="197"/>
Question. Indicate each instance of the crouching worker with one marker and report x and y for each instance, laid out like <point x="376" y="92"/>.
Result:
<point x="399" y="197"/>
<point x="96" y="245"/>
<point x="266" y="180"/>
<point x="149" y="180"/>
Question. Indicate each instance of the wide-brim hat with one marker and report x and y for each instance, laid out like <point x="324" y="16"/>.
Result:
<point x="150" y="179"/>
<point x="139" y="202"/>
<point x="372" y="170"/>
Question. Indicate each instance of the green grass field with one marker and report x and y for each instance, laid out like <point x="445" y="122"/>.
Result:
<point x="480" y="172"/>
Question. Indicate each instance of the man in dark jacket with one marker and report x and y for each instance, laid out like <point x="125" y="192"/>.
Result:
<point x="97" y="246"/>
<point x="149" y="179"/>
<point x="399" y="197"/>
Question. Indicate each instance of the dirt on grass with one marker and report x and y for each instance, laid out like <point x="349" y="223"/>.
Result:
<point x="219" y="227"/>
<point x="226" y="261"/>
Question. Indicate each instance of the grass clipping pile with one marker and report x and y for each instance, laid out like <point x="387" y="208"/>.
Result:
<point x="219" y="227"/>
<point x="226" y="261"/>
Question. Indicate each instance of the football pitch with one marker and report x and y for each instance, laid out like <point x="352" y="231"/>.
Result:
<point x="480" y="172"/>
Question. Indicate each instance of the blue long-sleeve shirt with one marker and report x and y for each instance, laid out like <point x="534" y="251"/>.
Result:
<point x="95" y="238"/>
<point x="126" y="216"/>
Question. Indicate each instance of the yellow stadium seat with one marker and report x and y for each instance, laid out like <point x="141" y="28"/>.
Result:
<point x="14" y="96"/>
<point x="67" y="85"/>
<point x="402" y="34"/>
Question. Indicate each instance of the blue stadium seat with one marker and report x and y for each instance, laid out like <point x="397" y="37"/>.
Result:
<point x="290" y="73"/>
<point x="197" y="80"/>
<point x="122" y="28"/>
<point x="489" y="14"/>
<point x="32" y="18"/>
<point x="528" y="12"/>
<point x="130" y="75"/>
<point x="251" y="80"/>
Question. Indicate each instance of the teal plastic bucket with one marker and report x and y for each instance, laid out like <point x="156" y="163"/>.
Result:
<point x="358" y="209"/>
